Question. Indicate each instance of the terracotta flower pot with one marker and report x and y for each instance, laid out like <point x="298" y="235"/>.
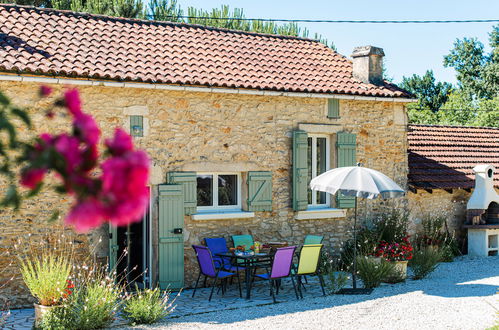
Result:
<point x="40" y="311"/>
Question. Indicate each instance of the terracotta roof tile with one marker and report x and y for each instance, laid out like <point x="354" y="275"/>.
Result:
<point x="64" y="43"/>
<point x="443" y="157"/>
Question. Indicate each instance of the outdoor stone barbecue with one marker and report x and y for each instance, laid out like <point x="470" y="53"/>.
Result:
<point x="483" y="214"/>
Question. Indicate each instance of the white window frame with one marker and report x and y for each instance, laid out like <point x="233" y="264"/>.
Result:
<point x="314" y="137"/>
<point x="215" y="206"/>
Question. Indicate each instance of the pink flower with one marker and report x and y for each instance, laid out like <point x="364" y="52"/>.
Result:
<point x="86" y="129"/>
<point x="124" y="187"/>
<point x="121" y="143"/>
<point x="68" y="147"/>
<point x="72" y="101"/>
<point x="32" y="177"/>
<point x="45" y="91"/>
<point x="86" y="215"/>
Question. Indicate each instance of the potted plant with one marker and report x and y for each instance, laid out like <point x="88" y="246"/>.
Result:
<point x="398" y="253"/>
<point x="47" y="278"/>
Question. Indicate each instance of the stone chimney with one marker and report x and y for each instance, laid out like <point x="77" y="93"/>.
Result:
<point x="368" y="64"/>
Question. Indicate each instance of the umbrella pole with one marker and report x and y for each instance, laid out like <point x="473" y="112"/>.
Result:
<point x="354" y="274"/>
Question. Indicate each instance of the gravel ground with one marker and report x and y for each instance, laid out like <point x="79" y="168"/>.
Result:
<point x="458" y="295"/>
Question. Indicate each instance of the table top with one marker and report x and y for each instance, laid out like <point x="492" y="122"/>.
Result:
<point x="244" y="256"/>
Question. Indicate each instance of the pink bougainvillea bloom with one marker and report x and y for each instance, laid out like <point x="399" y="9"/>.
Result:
<point x="90" y="155"/>
<point x="124" y="187"/>
<point x="120" y="143"/>
<point x="45" y="91"/>
<point x="86" y="215"/>
<point x="68" y="147"/>
<point x="86" y="129"/>
<point x="32" y="177"/>
<point x="72" y="101"/>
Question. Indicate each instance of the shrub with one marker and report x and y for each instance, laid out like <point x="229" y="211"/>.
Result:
<point x="372" y="272"/>
<point x="329" y="266"/>
<point x="92" y="305"/>
<point x="425" y="261"/>
<point x="46" y="270"/>
<point x="148" y="306"/>
<point x="392" y="227"/>
<point x="434" y="232"/>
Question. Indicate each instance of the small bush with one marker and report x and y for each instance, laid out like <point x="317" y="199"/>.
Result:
<point x="434" y="232"/>
<point x="46" y="276"/>
<point x="92" y="305"/>
<point x="148" y="306"/>
<point x="425" y="261"/>
<point x="372" y="272"/>
<point x="335" y="279"/>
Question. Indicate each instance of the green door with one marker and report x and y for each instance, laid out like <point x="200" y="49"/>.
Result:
<point x="113" y="247"/>
<point x="171" y="237"/>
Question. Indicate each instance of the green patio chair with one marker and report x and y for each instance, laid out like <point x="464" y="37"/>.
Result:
<point x="246" y="240"/>
<point x="313" y="239"/>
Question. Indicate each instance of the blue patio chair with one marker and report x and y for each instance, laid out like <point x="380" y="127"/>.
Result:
<point x="219" y="245"/>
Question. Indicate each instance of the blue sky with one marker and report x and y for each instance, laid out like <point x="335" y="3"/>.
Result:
<point x="409" y="48"/>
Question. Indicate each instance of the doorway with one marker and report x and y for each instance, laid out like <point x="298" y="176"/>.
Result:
<point x="130" y="250"/>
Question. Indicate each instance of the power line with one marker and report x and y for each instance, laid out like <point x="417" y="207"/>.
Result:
<point x="329" y="21"/>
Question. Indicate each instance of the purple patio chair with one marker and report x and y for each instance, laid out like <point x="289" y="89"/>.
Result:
<point x="281" y="268"/>
<point x="208" y="269"/>
<point x="219" y="245"/>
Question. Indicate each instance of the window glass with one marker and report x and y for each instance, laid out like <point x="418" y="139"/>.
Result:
<point x="205" y="190"/>
<point x="317" y="163"/>
<point x="227" y="189"/>
<point x="309" y="167"/>
<point x="321" y="165"/>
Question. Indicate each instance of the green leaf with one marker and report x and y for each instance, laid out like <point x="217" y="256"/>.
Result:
<point x="4" y="99"/>
<point x="35" y="191"/>
<point x="23" y="115"/>
<point x="6" y="125"/>
<point x="12" y="198"/>
<point x="55" y="215"/>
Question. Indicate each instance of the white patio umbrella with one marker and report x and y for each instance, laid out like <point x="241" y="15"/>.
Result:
<point x="356" y="181"/>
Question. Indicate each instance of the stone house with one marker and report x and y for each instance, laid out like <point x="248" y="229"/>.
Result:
<point x="235" y="123"/>
<point x="441" y="161"/>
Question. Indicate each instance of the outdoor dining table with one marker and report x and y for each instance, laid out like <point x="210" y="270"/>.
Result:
<point x="249" y="261"/>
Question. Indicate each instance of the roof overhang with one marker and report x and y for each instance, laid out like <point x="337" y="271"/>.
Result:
<point x="203" y="89"/>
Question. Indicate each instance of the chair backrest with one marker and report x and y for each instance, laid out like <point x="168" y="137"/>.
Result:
<point x="205" y="260"/>
<point x="283" y="260"/>
<point x="246" y="240"/>
<point x="313" y="239"/>
<point x="309" y="259"/>
<point x="217" y="245"/>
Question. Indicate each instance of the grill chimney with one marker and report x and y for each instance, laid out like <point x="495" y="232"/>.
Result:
<point x="368" y="64"/>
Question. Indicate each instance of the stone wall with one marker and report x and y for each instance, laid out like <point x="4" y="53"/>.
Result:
<point x="439" y="202"/>
<point x="231" y="132"/>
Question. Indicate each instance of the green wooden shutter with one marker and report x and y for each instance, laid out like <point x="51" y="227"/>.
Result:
<point x="171" y="243"/>
<point x="259" y="191"/>
<point x="300" y="170"/>
<point x="189" y="187"/>
<point x="346" y="145"/>
<point x="333" y="108"/>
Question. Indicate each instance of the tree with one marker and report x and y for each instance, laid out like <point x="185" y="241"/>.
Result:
<point x="476" y="71"/>
<point x="430" y="94"/>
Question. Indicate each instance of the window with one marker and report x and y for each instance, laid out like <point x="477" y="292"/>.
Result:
<point x="218" y="191"/>
<point x="318" y="162"/>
